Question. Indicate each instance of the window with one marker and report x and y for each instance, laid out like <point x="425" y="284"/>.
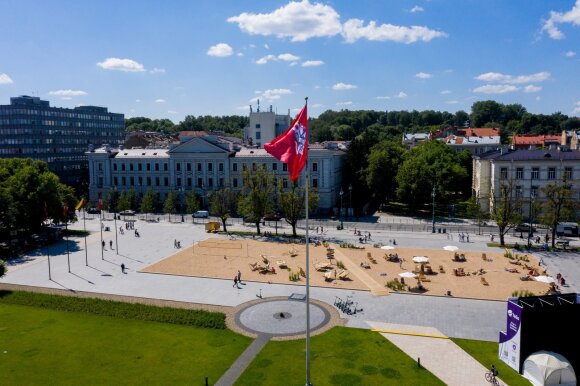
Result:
<point x="244" y="166"/>
<point x="221" y="185"/>
<point x="123" y="181"/>
<point x="165" y="166"/>
<point x="210" y="167"/>
<point x="100" y="167"/>
<point x="199" y="183"/>
<point x="284" y="167"/>
<point x="285" y="183"/>
<point x="315" y="182"/>
<point x="535" y="173"/>
<point x="257" y="125"/>
<point x="157" y="168"/>
<point x="188" y="167"/>
<point x="140" y="180"/>
<point x="148" y="167"/>
<point x="189" y="181"/>
<point x="258" y="135"/>
<point x="210" y="182"/>
<point x="503" y="174"/>
<point x="221" y="167"/>
<point x="139" y="167"/>
<point x="123" y="167"/>
<point x="519" y="173"/>
<point x="100" y="184"/>
<point x="254" y="166"/>
<point x="178" y="183"/>
<point x="131" y="167"/>
<point x="534" y="192"/>
<point x="551" y="173"/>
<point x="178" y="167"/>
<point x="115" y="167"/>
<point x="274" y="166"/>
<point x="132" y="181"/>
<point x="166" y="181"/>
<point x="518" y="191"/>
<point x="235" y="182"/>
<point x="148" y="181"/>
<point x="115" y="181"/>
<point x="199" y="167"/>
<point x="568" y="173"/>
<point x="314" y="166"/>
<point x="235" y="167"/>
<point x="156" y="181"/>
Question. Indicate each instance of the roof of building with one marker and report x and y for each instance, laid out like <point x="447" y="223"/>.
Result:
<point x="472" y="141"/>
<point x="529" y="155"/>
<point x="525" y="139"/>
<point x="415" y="136"/>
<point x="479" y="131"/>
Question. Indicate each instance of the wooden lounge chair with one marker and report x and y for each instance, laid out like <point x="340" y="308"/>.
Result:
<point x="282" y="264"/>
<point x="365" y="265"/>
<point x="253" y="266"/>
<point x="441" y="269"/>
<point x="483" y="281"/>
<point x="322" y="266"/>
<point x="372" y="260"/>
<point x="265" y="259"/>
<point x="329" y="275"/>
<point x="484" y="257"/>
<point x="293" y="252"/>
<point x="343" y="275"/>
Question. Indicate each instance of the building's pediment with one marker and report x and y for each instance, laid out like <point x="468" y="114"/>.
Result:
<point x="197" y="145"/>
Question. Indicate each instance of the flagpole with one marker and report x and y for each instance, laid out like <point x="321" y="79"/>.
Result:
<point x="307" y="262"/>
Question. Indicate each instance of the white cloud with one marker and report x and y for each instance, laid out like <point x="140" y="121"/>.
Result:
<point x="266" y="46"/>
<point x="401" y="95"/>
<point x="423" y="75"/>
<point x="67" y="93"/>
<point x="125" y="65"/>
<point x="288" y="57"/>
<point x="137" y="100"/>
<point x="448" y="71"/>
<point x="445" y="92"/>
<point x="570" y="54"/>
<point x="343" y="86"/>
<point x="576" y="108"/>
<point x="156" y="70"/>
<point x="551" y="25"/>
<point x="5" y="79"/>
<point x="220" y="50"/>
<point x="496" y="89"/>
<point x="538" y="98"/>
<point x="453" y="102"/>
<point x="312" y="63"/>
<point x="159" y="100"/>
<point x="239" y="54"/>
<point x="417" y="8"/>
<point x="171" y="112"/>
<point x="299" y="21"/>
<point x="348" y="103"/>
<point x="532" y="88"/>
<point x="273" y="58"/>
<point x="383" y="97"/>
<point x="503" y="78"/>
<point x="354" y="29"/>
<point x="270" y="95"/>
<point x="243" y="108"/>
<point x="316" y="105"/>
<point x="66" y="98"/>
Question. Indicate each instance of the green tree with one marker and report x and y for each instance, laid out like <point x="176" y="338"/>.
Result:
<point x="255" y="201"/>
<point x="558" y="205"/>
<point x="171" y="203"/>
<point x="3" y="268"/>
<point x="292" y="204"/>
<point x="222" y="202"/>
<point x="483" y="112"/>
<point x="506" y="210"/>
<point x="149" y="202"/>
<point x="383" y="163"/>
<point x="123" y="202"/>
<point x="191" y="202"/>
<point x="431" y="164"/>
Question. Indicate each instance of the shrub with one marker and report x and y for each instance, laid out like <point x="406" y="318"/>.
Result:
<point x="340" y="264"/>
<point x="522" y="293"/>
<point x="197" y="318"/>
<point x="3" y="268"/>
<point x="395" y="285"/>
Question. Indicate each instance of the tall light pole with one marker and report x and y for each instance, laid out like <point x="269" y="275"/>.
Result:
<point x="530" y="208"/>
<point x="181" y="203"/>
<point x="340" y="213"/>
<point x="433" y="214"/>
<point x="85" y="228"/>
<point x="65" y="212"/>
<point x="115" y="215"/>
<point x="350" y="196"/>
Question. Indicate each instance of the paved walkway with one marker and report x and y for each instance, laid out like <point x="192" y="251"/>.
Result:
<point x="439" y="355"/>
<point x="243" y="361"/>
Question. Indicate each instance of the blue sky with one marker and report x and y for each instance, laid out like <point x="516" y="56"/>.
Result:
<point x="163" y="59"/>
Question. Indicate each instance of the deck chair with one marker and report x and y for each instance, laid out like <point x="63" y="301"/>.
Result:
<point x="365" y="265"/>
<point x="329" y="275"/>
<point x="281" y="264"/>
<point x="441" y="269"/>
<point x="483" y="281"/>
<point x="369" y="255"/>
<point x="343" y="275"/>
<point x="253" y="266"/>
<point x="301" y="272"/>
<point x="265" y="259"/>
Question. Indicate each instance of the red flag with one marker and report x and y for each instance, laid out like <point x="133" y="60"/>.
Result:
<point x="292" y="146"/>
<point x="101" y="205"/>
<point x="65" y="210"/>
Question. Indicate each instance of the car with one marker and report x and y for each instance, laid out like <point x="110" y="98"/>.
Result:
<point x="524" y="227"/>
<point x="201" y="214"/>
<point x="128" y="213"/>
<point x="93" y="211"/>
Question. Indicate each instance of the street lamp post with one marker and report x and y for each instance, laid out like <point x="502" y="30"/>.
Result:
<point x="115" y="216"/>
<point x="350" y="196"/>
<point x="433" y="214"/>
<point x="530" y="217"/>
<point x="340" y="213"/>
<point x="181" y="203"/>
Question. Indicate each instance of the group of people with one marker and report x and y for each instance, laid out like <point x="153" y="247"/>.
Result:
<point x="560" y="279"/>
<point x="237" y="279"/>
<point x="319" y="229"/>
<point x="464" y="238"/>
<point x="176" y="244"/>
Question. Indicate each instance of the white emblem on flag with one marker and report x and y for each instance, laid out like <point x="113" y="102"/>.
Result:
<point x="299" y="138"/>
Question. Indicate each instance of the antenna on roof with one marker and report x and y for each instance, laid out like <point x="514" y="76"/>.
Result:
<point x="258" y="105"/>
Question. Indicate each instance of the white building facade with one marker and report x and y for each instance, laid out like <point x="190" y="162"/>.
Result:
<point x="203" y="165"/>
<point x="529" y="171"/>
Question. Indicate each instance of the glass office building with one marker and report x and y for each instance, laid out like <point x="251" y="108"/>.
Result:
<point x="31" y="128"/>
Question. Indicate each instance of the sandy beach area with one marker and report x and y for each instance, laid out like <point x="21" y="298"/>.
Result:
<point x="222" y="258"/>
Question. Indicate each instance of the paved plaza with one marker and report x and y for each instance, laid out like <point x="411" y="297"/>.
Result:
<point x="98" y="270"/>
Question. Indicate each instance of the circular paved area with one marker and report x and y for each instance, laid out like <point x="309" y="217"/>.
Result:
<point x="280" y="317"/>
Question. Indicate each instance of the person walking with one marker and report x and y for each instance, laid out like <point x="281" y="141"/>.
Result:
<point x="123" y="267"/>
<point x="111" y="244"/>
<point x="103" y="244"/>
<point x="236" y="282"/>
<point x="239" y="277"/>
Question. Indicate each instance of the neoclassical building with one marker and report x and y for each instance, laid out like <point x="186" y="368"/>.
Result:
<point x="204" y="164"/>
<point x="528" y="170"/>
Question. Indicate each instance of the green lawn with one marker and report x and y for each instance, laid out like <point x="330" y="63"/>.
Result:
<point x="341" y="356"/>
<point x="486" y="353"/>
<point x="40" y="346"/>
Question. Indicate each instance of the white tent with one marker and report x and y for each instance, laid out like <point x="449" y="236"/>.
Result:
<point x="549" y="368"/>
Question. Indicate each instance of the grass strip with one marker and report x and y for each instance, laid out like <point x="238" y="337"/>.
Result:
<point x="136" y="311"/>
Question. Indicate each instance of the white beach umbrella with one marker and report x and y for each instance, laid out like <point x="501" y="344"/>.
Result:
<point x="545" y="279"/>
<point x="420" y="259"/>
<point x="388" y="247"/>
<point x="410" y="275"/>
<point x="451" y="248"/>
